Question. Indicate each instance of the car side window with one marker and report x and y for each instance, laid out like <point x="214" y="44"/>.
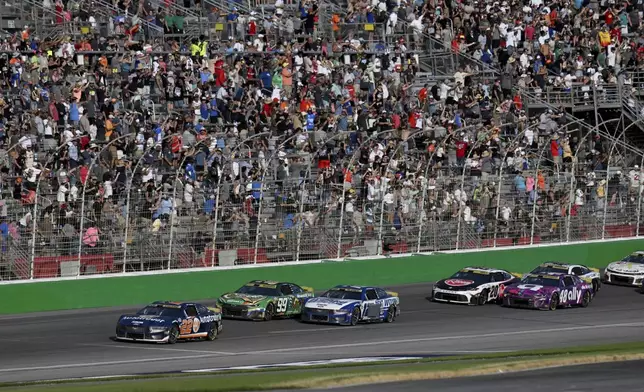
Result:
<point x="191" y="311"/>
<point x="371" y="294"/>
<point x="296" y="289"/>
<point x="568" y="281"/>
<point x="286" y="289"/>
<point x="202" y="309"/>
<point x="498" y="277"/>
<point x="577" y="271"/>
<point x="381" y="293"/>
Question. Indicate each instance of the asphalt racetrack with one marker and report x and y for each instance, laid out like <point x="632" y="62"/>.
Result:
<point x="73" y="344"/>
<point x="616" y="376"/>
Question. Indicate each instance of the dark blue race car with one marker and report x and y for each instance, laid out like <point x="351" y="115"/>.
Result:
<point x="167" y="322"/>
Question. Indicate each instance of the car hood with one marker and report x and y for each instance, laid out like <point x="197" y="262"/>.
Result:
<point x="624" y="266"/>
<point x="146" y="321"/>
<point x="329" y="303"/>
<point x="241" y="299"/>
<point x="528" y="290"/>
<point x="457" y="284"/>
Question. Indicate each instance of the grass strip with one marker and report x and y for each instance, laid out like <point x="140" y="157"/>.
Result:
<point x="339" y="375"/>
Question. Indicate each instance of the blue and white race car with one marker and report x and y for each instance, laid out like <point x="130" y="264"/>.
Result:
<point x="167" y="322"/>
<point x="349" y="305"/>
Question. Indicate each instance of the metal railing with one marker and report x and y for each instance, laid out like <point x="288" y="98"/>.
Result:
<point x="265" y="215"/>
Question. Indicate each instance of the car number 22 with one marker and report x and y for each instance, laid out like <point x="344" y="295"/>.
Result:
<point x="281" y="305"/>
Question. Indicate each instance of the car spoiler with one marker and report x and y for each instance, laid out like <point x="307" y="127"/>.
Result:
<point x="392" y="293"/>
<point x="594" y="269"/>
<point x="517" y="274"/>
<point x="215" y="309"/>
<point x="309" y="289"/>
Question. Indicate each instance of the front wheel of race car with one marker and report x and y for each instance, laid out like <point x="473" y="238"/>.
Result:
<point x="173" y="335"/>
<point x="585" y="300"/>
<point x="482" y="298"/>
<point x="213" y="332"/>
<point x="355" y="316"/>
<point x="554" y="302"/>
<point x="597" y="285"/>
<point x="268" y="313"/>
<point x="391" y="315"/>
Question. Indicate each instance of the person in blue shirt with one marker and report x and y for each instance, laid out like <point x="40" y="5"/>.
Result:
<point x="267" y="82"/>
<point x="310" y="120"/>
<point x="204" y="110"/>
<point x="74" y="115"/>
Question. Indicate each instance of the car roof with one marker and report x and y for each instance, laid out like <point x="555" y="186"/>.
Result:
<point x="637" y="253"/>
<point x="549" y="275"/>
<point x="483" y="269"/>
<point x="353" y="288"/>
<point x="264" y="282"/>
<point x="556" y="264"/>
<point x="172" y="304"/>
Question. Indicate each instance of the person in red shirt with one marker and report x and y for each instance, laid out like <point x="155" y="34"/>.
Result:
<point x="461" y="151"/>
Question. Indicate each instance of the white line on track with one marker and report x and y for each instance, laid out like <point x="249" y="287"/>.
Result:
<point x="439" y="338"/>
<point x="325" y="347"/>
<point x="336" y="328"/>
<point x="139" y="347"/>
<point x="107" y="363"/>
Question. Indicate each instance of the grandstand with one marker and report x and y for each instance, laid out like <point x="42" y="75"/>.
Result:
<point x="146" y="135"/>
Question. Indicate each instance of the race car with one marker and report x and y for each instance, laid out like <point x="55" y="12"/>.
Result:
<point x="627" y="272"/>
<point x="590" y="275"/>
<point x="349" y="305"/>
<point x="548" y="292"/>
<point x="473" y="286"/>
<point x="264" y="300"/>
<point x="168" y="322"/>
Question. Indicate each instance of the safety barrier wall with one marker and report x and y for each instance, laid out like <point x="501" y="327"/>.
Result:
<point x="114" y="222"/>
<point x="122" y="290"/>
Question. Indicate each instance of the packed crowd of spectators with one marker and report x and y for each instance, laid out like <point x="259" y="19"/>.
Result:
<point x="130" y="129"/>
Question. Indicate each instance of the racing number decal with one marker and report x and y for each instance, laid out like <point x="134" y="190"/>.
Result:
<point x="530" y="287"/>
<point x="196" y="323"/>
<point x="281" y="305"/>
<point x="186" y="327"/>
<point x="496" y="291"/>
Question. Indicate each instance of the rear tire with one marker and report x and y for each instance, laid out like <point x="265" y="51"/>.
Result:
<point x="585" y="300"/>
<point x="391" y="315"/>
<point x="214" y="331"/>
<point x="554" y="302"/>
<point x="268" y="313"/>
<point x="173" y="335"/>
<point x="355" y="317"/>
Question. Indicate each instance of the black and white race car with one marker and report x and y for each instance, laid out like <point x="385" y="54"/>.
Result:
<point x="474" y="286"/>
<point x="587" y="274"/>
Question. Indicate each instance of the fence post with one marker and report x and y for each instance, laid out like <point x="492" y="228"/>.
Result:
<point x="639" y="200"/>
<point x="34" y="228"/>
<point x="216" y="216"/>
<point x="422" y="214"/>
<point x="300" y="222"/>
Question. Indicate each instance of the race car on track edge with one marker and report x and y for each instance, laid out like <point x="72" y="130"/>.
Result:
<point x="349" y="305"/>
<point x="168" y="322"/>
<point x="627" y="272"/>
<point x="264" y="300"/>
<point x="473" y="286"/>
<point x="589" y="275"/>
<point x="548" y="292"/>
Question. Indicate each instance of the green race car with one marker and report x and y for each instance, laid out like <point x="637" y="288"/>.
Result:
<point x="263" y="300"/>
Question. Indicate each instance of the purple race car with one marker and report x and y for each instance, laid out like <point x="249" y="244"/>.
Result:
<point x="548" y="292"/>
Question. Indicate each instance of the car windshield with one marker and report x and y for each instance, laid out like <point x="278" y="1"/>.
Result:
<point x="634" y="259"/>
<point x="343" y="294"/>
<point x="263" y="290"/>
<point x="164" y="311"/>
<point x="550" y="269"/>
<point x="477" y="277"/>
<point x="541" y="281"/>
